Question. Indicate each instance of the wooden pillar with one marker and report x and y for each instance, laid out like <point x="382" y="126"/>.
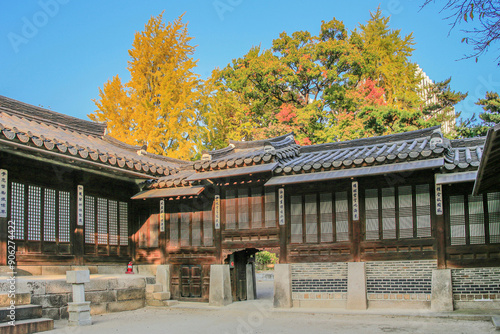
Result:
<point x="283" y="235"/>
<point x="438" y="212"/>
<point x="218" y="222"/>
<point x="355" y="221"/>
<point x="77" y="236"/>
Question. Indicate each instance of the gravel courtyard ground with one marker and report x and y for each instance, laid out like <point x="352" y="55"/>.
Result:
<point x="259" y="317"/>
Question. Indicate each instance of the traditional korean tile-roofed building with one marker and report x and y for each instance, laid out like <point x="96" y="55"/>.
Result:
<point x="396" y="212"/>
<point x="39" y="131"/>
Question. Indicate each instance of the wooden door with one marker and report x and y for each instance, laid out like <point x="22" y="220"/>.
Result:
<point x="191" y="281"/>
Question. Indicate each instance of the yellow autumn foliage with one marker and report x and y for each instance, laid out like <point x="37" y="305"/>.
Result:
<point x="157" y="107"/>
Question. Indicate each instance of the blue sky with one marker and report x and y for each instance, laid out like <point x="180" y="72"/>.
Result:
<point x="57" y="53"/>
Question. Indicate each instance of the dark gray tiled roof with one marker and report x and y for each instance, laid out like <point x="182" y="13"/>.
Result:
<point x="409" y="146"/>
<point x="46" y="130"/>
<point x="240" y="153"/>
<point x="464" y="154"/>
<point x="414" y="147"/>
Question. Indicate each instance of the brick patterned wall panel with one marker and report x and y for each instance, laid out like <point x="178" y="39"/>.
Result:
<point x="476" y="284"/>
<point x="402" y="278"/>
<point x="319" y="280"/>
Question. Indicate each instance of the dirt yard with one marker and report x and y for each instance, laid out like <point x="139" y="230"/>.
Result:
<point x="259" y="317"/>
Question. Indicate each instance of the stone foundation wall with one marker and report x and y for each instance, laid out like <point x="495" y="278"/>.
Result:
<point x="107" y="293"/>
<point x="147" y="269"/>
<point x="399" y="280"/>
<point x="319" y="284"/>
<point x="476" y="288"/>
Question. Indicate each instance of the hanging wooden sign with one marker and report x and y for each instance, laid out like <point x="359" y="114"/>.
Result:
<point x="439" y="199"/>
<point x="3" y="192"/>
<point x="355" y="200"/>
<point x="79" y="201"/>
<point x="162" y="215"/>
<point x="217" y="211"/>
<point x="281" y="206"/>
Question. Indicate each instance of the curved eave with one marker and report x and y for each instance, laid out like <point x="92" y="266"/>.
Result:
<point x="488" y="175"/>
<point x="70" y="161"/>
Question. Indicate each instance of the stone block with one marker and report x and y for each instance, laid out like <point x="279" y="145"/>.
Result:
<point x="64" y="312"/>
<point x="126" y="283"/>
<point x="163" y="276"/>
<point x="52" y="300"/>
<point x="98" y="308"/>
<point x="150" y="280"/>
<point x="28" y="270"/>
<point x="96" y="285"/>
<point x="19" y="299"/>
<point x="250" y="278"/>
<point x="129" y="294"/>
<point x="52" y="313"/>
<point x="58" y="286"/>
<point x="161" y="295"/>
<point x="442" y="291"/>
<point x="98" y="297"/>
<point x="55" y="270"/>
<point x="126" y="305"/>
<point x="283" y="286"/>
<point x="120" y="269"/>
<point x="356" y="286"/>
<point x="150" y="288"/>
<point x="145" y="269"/>
<point x="91" y="269"/>
<point x="32" y="287"/>
<point x="79" y="314"/>
<point x="78" y="276"/>
<point x="220" y="285"/>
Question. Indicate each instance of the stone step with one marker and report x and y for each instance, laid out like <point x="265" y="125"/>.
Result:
<point x="19" y="298"/>
<point x="152" y="288"/>
<point x="496" y="322"/>
<point x="27" y="326"/>
<point x="161" y="295"/>
<point x="161" y="303"/>
<point x="22" y="312"/>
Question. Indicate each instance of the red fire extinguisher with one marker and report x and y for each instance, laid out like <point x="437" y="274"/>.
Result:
<point x="129" y="268"/>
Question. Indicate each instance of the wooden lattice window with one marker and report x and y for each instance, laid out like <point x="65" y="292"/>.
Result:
<point x="17" y="209"/>
<point x="113" y="222"/>
<point x="372" y="214"/>
<point x="102" y="221"/>
<point x="64" y="216"/>
<point x="89" y="220"/>
<point x="123" y="224"/>
<point x="230" y="204"/>
<point x="311" y="217"/>
<point x="243" y="216"/>
<point x="196" y="229"/>
<point x="326" y="217"/>
<point x="106" y="221"/>
<point x="494" y="217"/>
<point x="190" y="228"/>
<point x="34" y="213"/>
<point x="341" y="216"/>
<point x="474" y="220"/>
<point x="40" y="214"/>
<point x="49" y="220"/>
<point x="270" y="204"/>
<point x="296" y="219"/>
<point x="208" y="234"/>
<point x="423" y="210"/>
<point x="398" y="212"/>
<point x="257" y="215"/>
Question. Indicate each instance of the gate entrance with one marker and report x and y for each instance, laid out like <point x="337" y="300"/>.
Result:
<point x="191" y="282"/>
<point x="240" y="276"/>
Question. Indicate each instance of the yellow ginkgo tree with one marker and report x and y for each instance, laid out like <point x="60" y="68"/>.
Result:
<point x="157" y="107"/>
